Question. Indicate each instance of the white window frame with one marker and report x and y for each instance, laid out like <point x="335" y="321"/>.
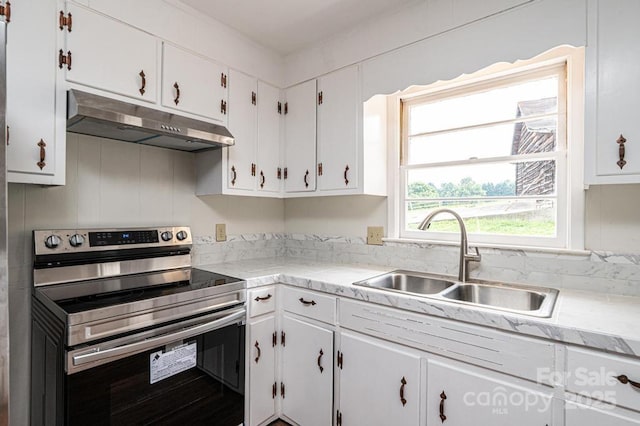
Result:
<point x="570" y="187"/>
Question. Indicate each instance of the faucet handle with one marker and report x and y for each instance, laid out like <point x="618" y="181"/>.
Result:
<point x="473" y="257"/>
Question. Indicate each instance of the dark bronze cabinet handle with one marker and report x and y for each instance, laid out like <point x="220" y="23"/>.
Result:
<point x="43" y="154"/>
<point x="621" y="151"/>
<point x="144" y="82"/>
<point x="257" y="346"/>
<point x="6" y="12"/>
<point x="306" y="302"/>
<point x="625" y="380"/>
<point x="319" y="360"/>
<point x="306" y="182"/>
<point x="263" y="179"/>
<point x="443" y="396"/>
<point x="346" y="170"/>
<point x="8" y="135"/>
<point x="235" y="175"/>
<point x="261" y="299"/>
<point x="403" y="383"/>
<point x="177" y="87"/>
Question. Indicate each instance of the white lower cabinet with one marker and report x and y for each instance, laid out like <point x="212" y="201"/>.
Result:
<point x="598" y="415"/>
<point x="379" y="383"/>
<point x="307" y="373"/>
<point x="261" y="360"/>
<point x="456" y="394"/>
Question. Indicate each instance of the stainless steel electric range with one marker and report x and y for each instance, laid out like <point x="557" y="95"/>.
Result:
<point x="125" y="331"/>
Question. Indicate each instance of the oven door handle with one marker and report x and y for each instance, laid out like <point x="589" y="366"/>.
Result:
<point x="102" y="356"/>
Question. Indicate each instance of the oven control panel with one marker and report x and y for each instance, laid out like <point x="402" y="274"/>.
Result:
<point x="87" y="240"/>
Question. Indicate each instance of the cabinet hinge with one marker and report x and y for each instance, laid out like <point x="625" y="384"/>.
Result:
<point x="286" y="108"/>
<point x="5" y="11"/>
<point x="279" y="173"/>
<point x="286" y="174"/>
<point x="338" y="418"/>
<point x="280" y="108"/>
<point x="223" y="107"/>
<point x="223" y="80"/>
<point x="253" y="169"/>
<point x="64" y="59"/>
<point x="282" y="390"/>
<point x="65" y="21"/>
<point x="274" y="390"/>
<point x="254" y="98"/>
<point x="339" y="360"/>
<point x="274" y="339"/>
<point x="282" y="338"/>
<point x="319" y="169"/>
<point x="319" y="98"/>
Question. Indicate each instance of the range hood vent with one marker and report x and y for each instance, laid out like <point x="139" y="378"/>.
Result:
<point x="94" y="115"/>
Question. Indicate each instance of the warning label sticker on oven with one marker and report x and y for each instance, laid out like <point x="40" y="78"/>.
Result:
<point x="167" y="364"/>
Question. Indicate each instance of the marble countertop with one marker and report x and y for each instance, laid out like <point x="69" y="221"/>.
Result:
<point x="596" y="320"/>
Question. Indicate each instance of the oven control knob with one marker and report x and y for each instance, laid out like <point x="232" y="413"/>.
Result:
<point x="52" y="241"/>
<point x="166" y="236"/>
<point x="181" y="235"/>
<point x="76" y="240"/>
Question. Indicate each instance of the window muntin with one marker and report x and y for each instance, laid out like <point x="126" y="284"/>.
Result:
<point x="494" y="151"/>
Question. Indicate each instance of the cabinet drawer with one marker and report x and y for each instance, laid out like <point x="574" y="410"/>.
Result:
<point x="310" y="304"/>
<point x="595" y="374"/>
<point x="261" y="300"/>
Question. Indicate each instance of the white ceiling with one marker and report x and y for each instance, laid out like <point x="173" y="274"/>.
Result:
<point x="289" y="25"/>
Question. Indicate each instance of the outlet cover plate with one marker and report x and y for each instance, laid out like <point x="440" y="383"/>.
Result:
<point x="374" y="235"/>
<point x="221" y="232"/>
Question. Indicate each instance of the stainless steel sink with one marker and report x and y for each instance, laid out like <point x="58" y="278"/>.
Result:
<point x="521" y="299"/>
<point x="538" y="301"/>
<point x="408" y="282"/>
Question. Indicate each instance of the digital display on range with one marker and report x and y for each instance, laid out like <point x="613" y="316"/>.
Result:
<point x="117" y="238"/>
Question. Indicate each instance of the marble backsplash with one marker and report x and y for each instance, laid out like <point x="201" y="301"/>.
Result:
<point x="608" y="273"/>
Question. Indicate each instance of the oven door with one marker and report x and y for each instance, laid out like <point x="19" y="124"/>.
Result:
<point x="187" y="373"/>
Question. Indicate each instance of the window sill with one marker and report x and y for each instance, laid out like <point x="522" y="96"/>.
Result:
<point x="551" y="250"/>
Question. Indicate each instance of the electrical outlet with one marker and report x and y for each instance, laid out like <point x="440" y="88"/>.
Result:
<point x="221" y="232"/>
<point x="374" y="235"/>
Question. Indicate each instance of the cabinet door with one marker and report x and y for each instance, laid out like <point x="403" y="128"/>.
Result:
<point x="300" y="138"/>
<point x="261" y="366"/>
<point x="456" y="395"/>
<point x="602" y="415"/>
<point x="379" y="383"/>
<point x="269" y="124"/>
<point x="337" y="129"/>
<point x="112" y="56"/>
<point x="307" y="373"/>
<point x="31" y="95"/>
<point x="618" y="86"/>
<point x="193" y="84"/>
<point x="242" y="113"/>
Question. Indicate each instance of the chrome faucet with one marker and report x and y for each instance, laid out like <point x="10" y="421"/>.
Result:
<point x="465" y="256"/>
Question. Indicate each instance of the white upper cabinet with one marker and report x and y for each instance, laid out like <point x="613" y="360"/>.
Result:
<point x="106" y="54"/>
<point x="251" y="166"/>
<point x="338" y="136"/>
<point x="269" y="170"/>
<point x="300" y="138"/>
<point x="613" y="67"/>
<point x="193" y="84"/>
<point x="243" y="124"/>
<point x="35" y="138"/>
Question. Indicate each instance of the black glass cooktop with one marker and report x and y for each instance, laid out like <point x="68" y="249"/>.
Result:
<point x="96" y="294"/>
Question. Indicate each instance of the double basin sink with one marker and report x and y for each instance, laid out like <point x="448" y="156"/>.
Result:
<point x="535" y="301"/>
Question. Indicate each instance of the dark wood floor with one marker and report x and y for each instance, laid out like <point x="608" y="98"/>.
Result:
<point x="279" y="423"/>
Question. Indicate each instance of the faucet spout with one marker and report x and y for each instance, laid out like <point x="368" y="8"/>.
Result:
<point x="465" y="256"/>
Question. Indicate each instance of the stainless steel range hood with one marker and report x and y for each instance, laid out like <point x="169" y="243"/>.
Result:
<point x="94" y="115"/>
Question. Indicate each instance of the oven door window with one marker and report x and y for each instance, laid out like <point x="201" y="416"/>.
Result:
<point x="121" y="393"/>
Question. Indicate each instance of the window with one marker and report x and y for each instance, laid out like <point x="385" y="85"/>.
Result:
<point x="494" y="149"/>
